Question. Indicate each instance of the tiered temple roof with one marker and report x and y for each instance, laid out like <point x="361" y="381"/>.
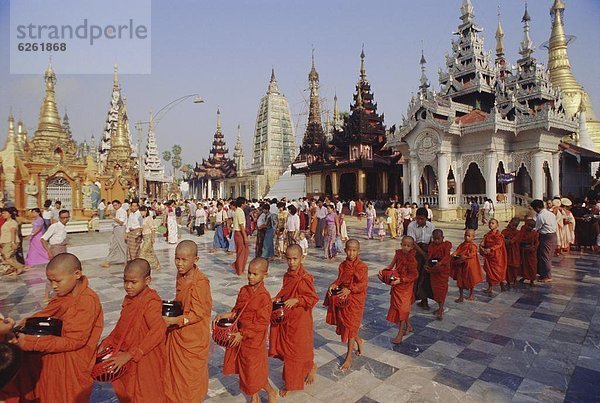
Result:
<point x="238" y="153"/>
<point x="218" y="165"/>
<point x="153" y="167"/>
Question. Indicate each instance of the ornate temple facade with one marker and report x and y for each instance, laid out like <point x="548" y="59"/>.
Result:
<point x="156" y="183"/>
<point x="209" y="177"/>
<point x="353" y="163"/>
<point x="48" y="165"/>
<point x="117" y="159"/>
<point x="491" y="131"/>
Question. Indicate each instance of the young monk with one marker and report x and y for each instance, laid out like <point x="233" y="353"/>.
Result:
<point x="439" y="250"/>
<point x="64" y="369"/>
<point x="353" y="278"/>
<point x="188" y="336"/>
<point x="292" y="341"/>
<point x="513" y="254"/>
<point x="143" y="332"/>
<point x="529" y="242"/>
<point x="402" y="292"/>
<point x="493" y="250"/>
<point x="467" y="266"/>
<point x="247" y="355"/>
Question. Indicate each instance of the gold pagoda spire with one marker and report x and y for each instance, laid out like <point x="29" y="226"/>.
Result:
<point x="11" y="127"/>
<point x="49" y="120"/>
<point x="115" y="76"/>
<point x="499" y="38"/>
<point x="120" y="139"/>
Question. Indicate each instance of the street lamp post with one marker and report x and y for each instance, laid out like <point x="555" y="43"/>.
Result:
<point x="154" y="122"/>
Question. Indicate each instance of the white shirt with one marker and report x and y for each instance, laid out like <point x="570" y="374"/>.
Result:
<point x="262" y="220"/>
<point x="339" y="206"/>
<point x="303" y="243"/>
<point x="321" y="212"/>
<point x="101" y="206"/>
<point x="220" y="216"/>
<point x="47" y="214"/>
<point x="420" y="234"/>
<point x="55" y="213"/>
<point x="200" y="216"/>
<point x="134" y="221"/>
<point x="545" y="222"/>
<point x="55" y="234"/>
<point x="121" y="215"/>
<point x="352" y="204"/>
<point x="371" y="213"/>
<point x="406" y="213"/>
<point x="292" y="223"/>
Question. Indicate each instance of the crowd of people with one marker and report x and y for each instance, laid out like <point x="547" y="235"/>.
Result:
<point x="166" y="358"/>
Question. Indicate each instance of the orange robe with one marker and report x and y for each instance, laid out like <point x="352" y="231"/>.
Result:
<point x="186" y="375"/>
<point x="529" y="254"/>
<point x="65" y="371"/>
<point x="293" y="341"/>
<point x="469" y="273"/>
<point x="513" y="253"/>
<point x="145" y="333"/>
<point x="439" y="273"/>
<point x="347" y="320"/>
<point x="495" y="262"/>
<point x="249" y="359"/>
<point x="402" y="295"/>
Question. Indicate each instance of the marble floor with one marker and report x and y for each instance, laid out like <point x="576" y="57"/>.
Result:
<point x="540" y="344"/>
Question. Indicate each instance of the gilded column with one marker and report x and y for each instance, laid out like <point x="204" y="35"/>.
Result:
<point x="335" y="184"/>
<point x="362" y="183"/>
<point x="442" y="177"/>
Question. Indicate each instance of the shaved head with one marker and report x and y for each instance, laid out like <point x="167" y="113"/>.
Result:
<point x="294" y="247"/>
<point x="188" y="246"/>
<point x="470" y="231"/>
<point x="437" y="231"/>
<point x="260" y="263"/>
<point x="354" y="242"/>
<point x="139" y="267"/>
<point x="65" y="262"/>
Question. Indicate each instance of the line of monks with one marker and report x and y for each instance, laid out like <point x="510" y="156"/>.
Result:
<point x="166" y="358"/>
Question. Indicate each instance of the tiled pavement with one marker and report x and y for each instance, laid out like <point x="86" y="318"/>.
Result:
<point x="540" y="344"/>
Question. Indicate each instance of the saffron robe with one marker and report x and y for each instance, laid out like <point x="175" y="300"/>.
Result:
<point x="468" y="273"/>
<point x="186" y="376"/>
<point x="402" y="295"/>
<point x="64" y="367"/>
<point x="528" y="254"/>
<point x="249" y="359"/>
<point x="439" y="273"/>
<point x="293" y="341"/>
<point x="495" y="262"/>
<point x="513" y="253"/>
<point x="355" y="276"/>
<point x="144" y="329"/>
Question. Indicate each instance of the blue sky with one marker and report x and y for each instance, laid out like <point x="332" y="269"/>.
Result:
<point x="224" y="50"/>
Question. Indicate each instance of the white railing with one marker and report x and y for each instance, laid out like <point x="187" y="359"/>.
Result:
<point x="502" y="200"/>
<point x="432" y="200"/>
<point x="452" y="200"/>
<point x="466" y="199"/>
<point x="520" y="200"/>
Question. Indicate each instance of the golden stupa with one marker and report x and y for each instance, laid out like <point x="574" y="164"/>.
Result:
<point x="575" y="98"/>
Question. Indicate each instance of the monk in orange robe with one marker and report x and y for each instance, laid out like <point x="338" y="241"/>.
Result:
<point x="465" y="264"/>
<point x="493" y="250"/>
<point x="353" y="278"/>
<point x="143" y="332"/>
<point x="64" y="365"/>
<point x="513" y="254"/>
<point x="402" y="292"/>
<point x="247" y="353"/>
<point x="293" y="341"/>
<point x="439" y="273"/>
<point x="188" y="336"/>
<point x="529" y="242"/>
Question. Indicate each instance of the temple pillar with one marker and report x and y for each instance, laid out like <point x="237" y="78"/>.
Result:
<point x="490" y="178"/>
<point x="556" y="174"/>
<point x="362" y="183"/>
<point x="537" y="166"/>
<point x="442" y="177"/>
<point x="384" y="183"/>
<point x="222" y="190"/>
<point x="335" y="188"/>
<point x="414" y="180"/>
<point x="209" y="189"/>
<point x="405" y="183"/>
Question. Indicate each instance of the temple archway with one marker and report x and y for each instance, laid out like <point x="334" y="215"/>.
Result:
<point x="428" y="183"/>
<point x="59" y="189"/>
<point x="500" y="186"/>
<point x="347" y="186"/>
<point x="328" y="187"/>
<point x="451" y="182"/>
<point x="523" y="184"/>
<point x="474" y="182"/>
<point x="547" y="182"/>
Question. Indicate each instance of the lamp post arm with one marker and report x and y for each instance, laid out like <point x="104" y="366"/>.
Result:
<point x="165" y="109"/>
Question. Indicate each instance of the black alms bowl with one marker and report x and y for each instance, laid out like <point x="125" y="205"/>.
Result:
<point x="172" y="308"/>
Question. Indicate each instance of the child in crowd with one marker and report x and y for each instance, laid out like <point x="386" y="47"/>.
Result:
<point x="494" y="257"/>
<point x="188" y="336"/>
<point x="438" y="266"/>
<point x="513" y="254"/>
<point x="141" y="332"/>
<point x="381" y="228"/>
<point x="402" y="293"/>
<point x="353" y="280"/>
<point x="466" y="267"/>
<point x="303" y="242"/>
<point x="528" y="244"/>
<point x="292" y="341"/>
<point x="247" y="354"/>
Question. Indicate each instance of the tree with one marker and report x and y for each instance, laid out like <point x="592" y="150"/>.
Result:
<point x="176" y="158"/>
<point x="166" y="155"/>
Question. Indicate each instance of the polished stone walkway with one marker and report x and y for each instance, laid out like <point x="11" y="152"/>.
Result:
<point x="540" y="344"/>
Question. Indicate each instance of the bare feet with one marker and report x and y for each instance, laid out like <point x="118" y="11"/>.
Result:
<point x="471" y="297"/>
<point x="310" y="378"/>
<point x="347" y="362"/>
<point x="359" y="344"/>
<point x="409" y="329"/>
<point x="398" y="339"/>
<point x="439" y="313"/>
<point x="459" y="299"/>
<point x="283" y="392"/>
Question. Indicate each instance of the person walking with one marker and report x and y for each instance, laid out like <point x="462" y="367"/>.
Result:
<point x="9" y="242"/>
<point x="117" y="251"/>
<point x="36" y="254"/>
<point x="546" y="226"/>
